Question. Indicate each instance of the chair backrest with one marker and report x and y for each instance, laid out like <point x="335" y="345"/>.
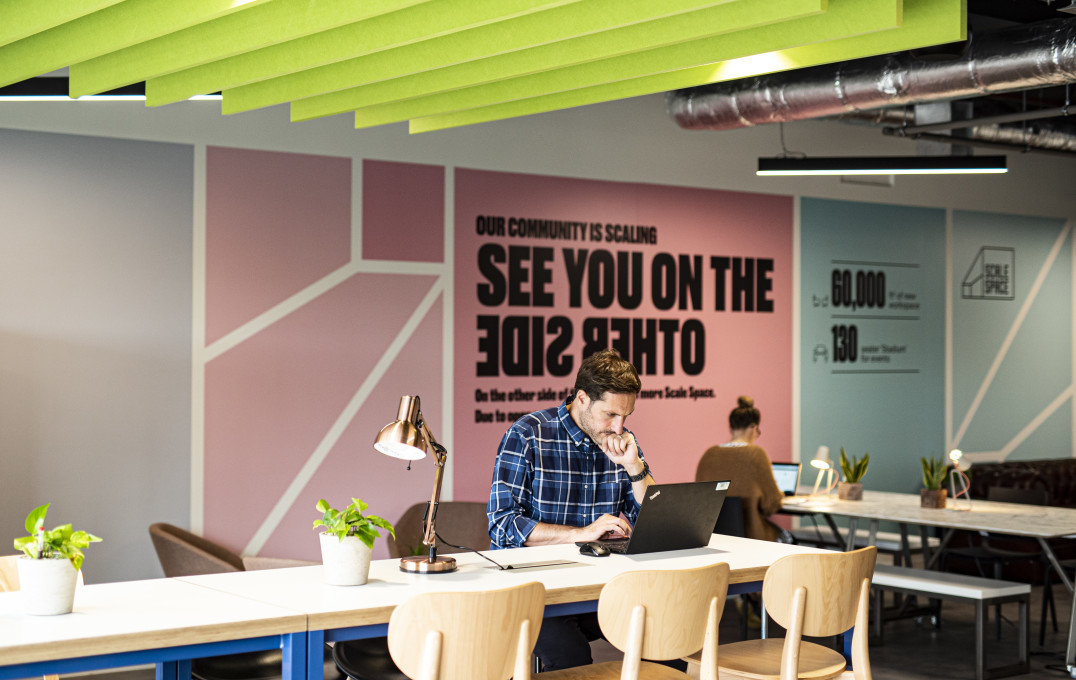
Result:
<point x="818" y="595"/>
<point x="182" y="553"/>
<point x="730" y="521"/>
<point x="468" y="635"/>
<point x="665" y="614"/>
<point x="462" y="522"/>
<point x="1008" y="494"/>
<point x="9" y="573"/>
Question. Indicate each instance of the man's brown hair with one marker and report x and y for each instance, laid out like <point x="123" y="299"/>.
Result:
<point x="605" y="371"/>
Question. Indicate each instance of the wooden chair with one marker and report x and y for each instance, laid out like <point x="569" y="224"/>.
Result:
<point x="659" y="615"/>
<point x="468" y="635"/>
<point x="462" y="522"/>
<point x="9" y="582"/>
<point x="816" y="595"/>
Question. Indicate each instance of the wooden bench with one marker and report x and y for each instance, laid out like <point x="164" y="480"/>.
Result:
<point x="982" y="592"/>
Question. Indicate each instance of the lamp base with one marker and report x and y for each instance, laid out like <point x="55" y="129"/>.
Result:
<point x="422" y="565"/>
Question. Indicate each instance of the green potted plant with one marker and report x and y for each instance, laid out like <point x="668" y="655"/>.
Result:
<point x="348" y="541"/>
<point x="851" y="489"/>
<point x="932" y="495"/>
<point x="49" y="567"/>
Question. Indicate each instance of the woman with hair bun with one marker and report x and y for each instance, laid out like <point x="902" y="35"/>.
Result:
<point x="747" y="466"/>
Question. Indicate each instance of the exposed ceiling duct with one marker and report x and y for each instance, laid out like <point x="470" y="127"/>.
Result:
<point x="1026" y="57"/>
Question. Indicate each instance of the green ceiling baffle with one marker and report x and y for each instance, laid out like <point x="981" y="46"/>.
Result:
<point x="391" y="30"/>
<point x="22" y="19"/>
<point x="393" y="78"/>
<point x="267" y="24"/>
<point x="926" y="22"/>
<point x="844" y="17"/>
<point x="585" y="22"/>
<point x="106" y="30"/>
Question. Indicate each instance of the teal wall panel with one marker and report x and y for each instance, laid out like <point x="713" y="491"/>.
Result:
<point x="873" y="351"/>
<point x="1012" y="336"/>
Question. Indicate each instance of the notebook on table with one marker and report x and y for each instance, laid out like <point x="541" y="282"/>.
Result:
<point x="673" y="517"/>
<point x="787" y="476"/>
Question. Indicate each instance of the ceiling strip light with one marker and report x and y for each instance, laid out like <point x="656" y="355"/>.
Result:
<point x="882" y="165"/>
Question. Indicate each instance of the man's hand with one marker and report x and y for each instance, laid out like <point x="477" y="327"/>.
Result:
<point x="622" y="450"/>
<point x="605" y="526"/>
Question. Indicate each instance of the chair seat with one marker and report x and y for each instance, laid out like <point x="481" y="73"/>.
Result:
<point x="761" y="660"/>
<point x="366" y="659"/>
<point x="610" y="670"/>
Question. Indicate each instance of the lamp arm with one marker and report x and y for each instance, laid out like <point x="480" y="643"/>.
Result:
<point x="429" y="538"/>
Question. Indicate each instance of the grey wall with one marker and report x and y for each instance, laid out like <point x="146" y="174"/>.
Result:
<point x="95" y="300"/>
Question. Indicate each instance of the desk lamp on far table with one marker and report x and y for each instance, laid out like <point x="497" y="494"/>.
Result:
<point x="409" y="438"/>
<point x="824" y="465"/>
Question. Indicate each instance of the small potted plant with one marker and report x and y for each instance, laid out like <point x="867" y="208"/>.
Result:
<point x="49" y="568"/>
<point x="932" y="495"/>
<point x="851" y="489"/>
<point x="348" y="541"/>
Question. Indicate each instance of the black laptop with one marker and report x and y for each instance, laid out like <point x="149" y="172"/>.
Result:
<point x="673" y="517"/>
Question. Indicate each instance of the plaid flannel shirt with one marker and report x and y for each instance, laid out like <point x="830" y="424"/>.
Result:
<point x="548" y="470"/>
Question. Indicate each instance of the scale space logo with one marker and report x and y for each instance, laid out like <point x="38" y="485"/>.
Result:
<point x="992" y="275"/>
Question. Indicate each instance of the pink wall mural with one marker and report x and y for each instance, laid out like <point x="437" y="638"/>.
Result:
<point x="694" y="286"/>
<point x="310" y="344"/>
<point x="309" y="350"/>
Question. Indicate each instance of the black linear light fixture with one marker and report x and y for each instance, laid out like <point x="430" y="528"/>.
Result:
<point x="882" y="165"/>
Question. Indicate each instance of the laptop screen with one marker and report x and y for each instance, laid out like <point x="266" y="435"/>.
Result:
<point x="787" y="476"/>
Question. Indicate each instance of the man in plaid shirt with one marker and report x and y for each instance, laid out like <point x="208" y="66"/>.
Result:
<point x="571" y="473"/>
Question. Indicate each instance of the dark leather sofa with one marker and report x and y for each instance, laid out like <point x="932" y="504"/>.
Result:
<point x="1056" y="475"/>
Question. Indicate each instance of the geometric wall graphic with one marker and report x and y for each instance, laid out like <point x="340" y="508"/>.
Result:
<point x="275" y="223"/>
<point x="1012" y="364"/>
<point x="310" y="369"/>
<point x="694" y="286"/>
<point x="403" y="211"/>
<point x="872" y="337"/>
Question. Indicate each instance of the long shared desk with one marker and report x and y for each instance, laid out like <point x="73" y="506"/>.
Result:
<point x="1041" y="522"/>
<point x="168" y="622"/>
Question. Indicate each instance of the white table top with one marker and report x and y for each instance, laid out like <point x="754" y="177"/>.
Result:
<point x="1037" y="521"/>
<point x="581" y="579"/>
<point x="134" y="616"/>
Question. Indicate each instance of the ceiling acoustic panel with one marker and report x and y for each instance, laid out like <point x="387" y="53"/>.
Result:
<point x="391" y="80"/>
<point x="23" y="19"/>
<point x="107" y="30"/>
<point x="843" y="18"/>
<point x="600" y="25"/>
<point x="421" y="23"/>
<point x="268" y="24"/>
<point x="925" y="23"/>
<point x="444" y="63"/>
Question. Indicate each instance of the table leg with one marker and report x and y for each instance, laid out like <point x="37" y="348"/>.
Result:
<point x="1070" y="650"/>
<point x="833" y="527"/>
<point x="315" y="653"/>
<point x="294" y="663"/>
<point x="930" y="559"/>
<point x="166" y="670"/>
<point x="850" y="542"/>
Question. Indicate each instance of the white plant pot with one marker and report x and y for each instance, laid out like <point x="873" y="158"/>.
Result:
<point x="47" y="586"/>
<point x="345" y="563"/>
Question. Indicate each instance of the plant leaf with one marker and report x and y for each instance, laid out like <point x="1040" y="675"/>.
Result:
<point x="36" y="519"/>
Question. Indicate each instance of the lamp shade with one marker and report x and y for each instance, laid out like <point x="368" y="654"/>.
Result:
<point x="959" y="461"/>
<point x="821" y="459"/>
<point x="403" y="438"/>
